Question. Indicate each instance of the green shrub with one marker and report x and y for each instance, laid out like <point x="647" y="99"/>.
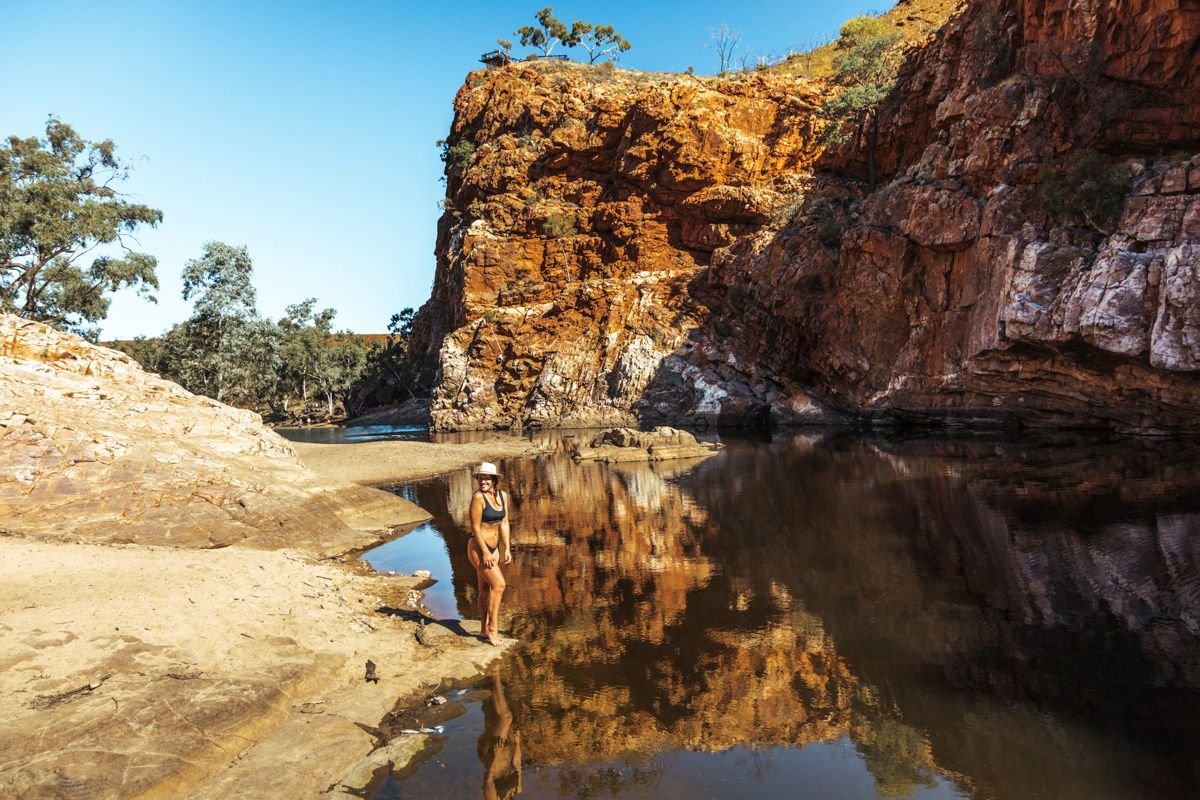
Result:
<point x="1089" y="192"/>
<point x="559" y="225"/>
<point x="458" y="154"/>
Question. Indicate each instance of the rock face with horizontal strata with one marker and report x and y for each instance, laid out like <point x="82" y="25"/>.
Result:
<point x="94" y="448"/>
<point x="948" y="293"/>
<point x="624" y="248"/>
<point x="591" y="201"/>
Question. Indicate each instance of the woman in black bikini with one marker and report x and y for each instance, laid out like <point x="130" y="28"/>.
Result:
<point x="489" y="547"/>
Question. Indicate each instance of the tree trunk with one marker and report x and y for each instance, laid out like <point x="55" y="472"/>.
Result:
<point x="872" y="142"/>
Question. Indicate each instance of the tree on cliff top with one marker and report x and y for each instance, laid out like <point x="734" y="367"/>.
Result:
<point x="600" y="41"/>
<point x="550" y="31"/>
<point x="865" y="73"/>
<point x="58" y="204"/>
<point x="597" y="40"/>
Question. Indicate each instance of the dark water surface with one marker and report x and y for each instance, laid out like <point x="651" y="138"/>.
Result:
<point x="843" y="617"/>
<point x="336" y="434"/>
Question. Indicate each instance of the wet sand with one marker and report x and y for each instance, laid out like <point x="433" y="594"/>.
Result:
<point x="128" y="669"/>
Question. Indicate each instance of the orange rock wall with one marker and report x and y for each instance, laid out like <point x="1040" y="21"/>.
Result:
<point x="574" y="229"/>
<point x="624" y="248"/>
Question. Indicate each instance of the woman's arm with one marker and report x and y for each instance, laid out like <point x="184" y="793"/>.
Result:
<point x="505" y="541"/>
<point x="485" y="552"/>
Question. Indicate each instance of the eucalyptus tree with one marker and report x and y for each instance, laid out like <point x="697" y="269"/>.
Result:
<point x="60" y="212"/>
<point x="316" y="359"/>
<point x="549" y="31"/>
<point x="865" y="73"/>
<point x="225" y="350"/>
<point x="724" y="41"/>
<point x="600" y="41"/>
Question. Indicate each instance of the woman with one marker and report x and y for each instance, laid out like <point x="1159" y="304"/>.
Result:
<point x="489" y="546"/>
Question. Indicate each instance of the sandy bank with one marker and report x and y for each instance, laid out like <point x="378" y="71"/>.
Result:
<point x="382" y="463"/>
<point x="136" y="670"/>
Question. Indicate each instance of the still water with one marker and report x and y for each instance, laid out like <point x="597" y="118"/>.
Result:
<point x="832" y="617"/>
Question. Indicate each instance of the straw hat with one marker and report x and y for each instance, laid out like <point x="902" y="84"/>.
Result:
<point x="487" y="468"/>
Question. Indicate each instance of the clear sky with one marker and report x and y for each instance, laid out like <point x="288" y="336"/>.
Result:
<point x="306" y="130"/>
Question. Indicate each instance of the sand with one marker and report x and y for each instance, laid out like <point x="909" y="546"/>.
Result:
<point x="383" y="463"/>
<point x="131" y="670"/>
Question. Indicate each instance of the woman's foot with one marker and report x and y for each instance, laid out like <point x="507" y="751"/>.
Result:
<point x="493" y="638"/>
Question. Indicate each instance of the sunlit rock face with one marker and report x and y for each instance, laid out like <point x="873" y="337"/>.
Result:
<point x="949" y="292"/>
<point x="591" y="201"/>
<point x="622" y="247"/>
<point x="92" y="447"/>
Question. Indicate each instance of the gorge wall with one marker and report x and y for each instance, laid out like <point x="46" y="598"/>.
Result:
<point x="620" y="247"/>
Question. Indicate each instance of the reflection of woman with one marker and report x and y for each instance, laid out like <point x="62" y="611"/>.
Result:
<point x="499" y="747"/>
<point x="489" y="547"/>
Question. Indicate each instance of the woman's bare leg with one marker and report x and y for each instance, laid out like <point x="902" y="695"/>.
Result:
<point x="496" y="586"/>
<point x="490" y="590"/>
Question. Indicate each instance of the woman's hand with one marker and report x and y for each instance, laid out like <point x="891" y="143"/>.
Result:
<point x="489" y="560"/>
<point x="507" y="556"/>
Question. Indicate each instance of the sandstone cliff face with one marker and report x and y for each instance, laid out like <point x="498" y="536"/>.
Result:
<point x="591" y="202"/>
<point x="622" y="247"/>
<point x="93" y="448"/>
<point x="948" y="291"/>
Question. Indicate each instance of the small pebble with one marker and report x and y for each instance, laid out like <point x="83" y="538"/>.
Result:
<point x="436" y="700"/>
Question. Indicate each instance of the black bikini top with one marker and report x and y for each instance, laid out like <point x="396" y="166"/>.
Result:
<point x="493" y="514"/>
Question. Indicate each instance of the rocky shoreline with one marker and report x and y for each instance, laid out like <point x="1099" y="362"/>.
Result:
<point x="226" y="673"/>
<point x="179" y="611"/>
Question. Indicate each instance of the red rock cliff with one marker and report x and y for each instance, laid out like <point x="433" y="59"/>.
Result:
<point x="623" y="247"/>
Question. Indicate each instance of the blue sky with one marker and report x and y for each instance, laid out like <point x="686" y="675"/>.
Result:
<point x="306" y="130"/>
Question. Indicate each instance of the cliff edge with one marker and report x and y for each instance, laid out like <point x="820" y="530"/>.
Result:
<point x="621" y="247"/>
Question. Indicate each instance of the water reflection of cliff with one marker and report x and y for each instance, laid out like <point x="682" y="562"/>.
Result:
<point x="1032" y="607"/>
<point x="1026" y="615"/>
<point x="639" y="642"/>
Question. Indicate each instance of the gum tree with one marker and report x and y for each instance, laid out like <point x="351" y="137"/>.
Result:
<point x="225" y="350"/>
<point x="548" y="32"/>
<point x="865" y="72"/>
<point x="600" y="41"/>
<point x="59" y="205"/>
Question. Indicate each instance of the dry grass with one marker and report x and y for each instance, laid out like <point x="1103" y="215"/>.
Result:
<point x="915" y="20"/>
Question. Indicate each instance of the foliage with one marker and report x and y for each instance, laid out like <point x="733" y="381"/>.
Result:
<point x="314" y="358"/>
<point x="559" y="225"/>
<point x="548" y="32"/>
<point x="598" y="41"/>
<point x="897" y="756"/>
<point x="225" y="350"/>
<point x="1089" y="192"/>
<point x="865" y="71"/>
<point x="458" y="154"/>
<point x="389" y="375"/>
<point x="297" y="368"/>
<point x="58" y="203"/>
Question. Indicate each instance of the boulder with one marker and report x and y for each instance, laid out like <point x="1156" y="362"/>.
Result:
<point x="628" y="444"/>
